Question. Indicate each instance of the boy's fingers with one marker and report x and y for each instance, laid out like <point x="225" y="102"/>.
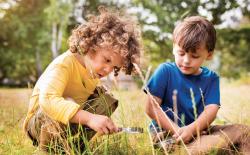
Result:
<point x="175" y="136"/>
<point x="178" y="140"/>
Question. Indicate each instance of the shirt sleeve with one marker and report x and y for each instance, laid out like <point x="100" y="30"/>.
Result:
<point x="51" y="91"/>
<point x="157" y="84"/>
<point x="212" y="96"/>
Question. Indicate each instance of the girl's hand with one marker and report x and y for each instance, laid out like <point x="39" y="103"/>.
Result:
<point x="102" y="124"/>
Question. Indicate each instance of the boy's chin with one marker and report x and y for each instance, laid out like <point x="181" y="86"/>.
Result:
<point x="185" y="72"/>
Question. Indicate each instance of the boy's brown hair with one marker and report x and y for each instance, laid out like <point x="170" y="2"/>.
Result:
<point x="193" y="32"/>
<point x="118" y="31"/>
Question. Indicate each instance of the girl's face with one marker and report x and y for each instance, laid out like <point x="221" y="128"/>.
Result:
<point x="189" y="63"/>
<point x="103" y="61"/>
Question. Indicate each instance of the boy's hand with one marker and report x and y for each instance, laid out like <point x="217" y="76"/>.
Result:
<point x="102" y="124"/>
<point x="184" y="133"/>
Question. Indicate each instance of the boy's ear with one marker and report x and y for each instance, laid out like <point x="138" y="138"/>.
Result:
<point x="210" y="55"/>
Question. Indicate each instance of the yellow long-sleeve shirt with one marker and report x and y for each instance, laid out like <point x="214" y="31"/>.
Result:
<point x="62" y="89"/>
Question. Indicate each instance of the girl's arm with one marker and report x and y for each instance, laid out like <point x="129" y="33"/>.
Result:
<point x="51" y="88"/>
<point x="99" y="123"/>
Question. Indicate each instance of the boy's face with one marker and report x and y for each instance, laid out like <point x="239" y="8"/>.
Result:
<point x="188" y="62"/>
<point x="104" y="60"/>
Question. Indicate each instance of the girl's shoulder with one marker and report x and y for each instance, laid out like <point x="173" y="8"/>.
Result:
<point x="65" y="59"/>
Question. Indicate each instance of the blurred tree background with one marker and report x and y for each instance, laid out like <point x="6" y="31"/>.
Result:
<point x="34" y="32"/>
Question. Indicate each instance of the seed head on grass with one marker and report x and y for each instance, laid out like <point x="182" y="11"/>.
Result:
<point x="156" y="105"/>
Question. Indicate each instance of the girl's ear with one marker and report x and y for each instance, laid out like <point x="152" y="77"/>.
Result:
<point x="210" y="55"/>
<point x="91" y="54"/>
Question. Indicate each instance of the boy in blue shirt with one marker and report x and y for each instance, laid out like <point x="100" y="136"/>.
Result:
<point x="191" y="91"/>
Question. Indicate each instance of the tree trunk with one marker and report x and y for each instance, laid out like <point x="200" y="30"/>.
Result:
<point x="57" y="34"/>
<point x="59" y="37"/>
<point x="54" y="41"/>
<point x="38" y="63"/>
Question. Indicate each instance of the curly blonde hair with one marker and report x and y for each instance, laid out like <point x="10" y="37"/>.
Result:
<point x="118" y="31"/>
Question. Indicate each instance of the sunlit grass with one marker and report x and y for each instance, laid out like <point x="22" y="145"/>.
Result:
<point x="13" y="107"/>
<point x="14" y="103"/>
<point x="235" y="103"/>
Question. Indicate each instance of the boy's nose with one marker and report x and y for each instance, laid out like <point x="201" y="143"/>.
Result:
<point x="186" y="59"/>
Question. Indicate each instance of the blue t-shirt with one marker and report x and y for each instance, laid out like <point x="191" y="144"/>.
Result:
<point x="168" y="78"/>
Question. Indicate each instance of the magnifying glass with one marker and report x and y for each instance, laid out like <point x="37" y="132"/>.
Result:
<point x="130" y="130"/>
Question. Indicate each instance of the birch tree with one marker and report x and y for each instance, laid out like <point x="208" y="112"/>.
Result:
<point x="58" y="16"/>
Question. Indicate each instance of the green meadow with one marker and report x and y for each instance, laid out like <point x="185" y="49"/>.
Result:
<point x="235" y="108"/>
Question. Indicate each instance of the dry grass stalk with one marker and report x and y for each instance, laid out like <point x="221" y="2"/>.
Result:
<point x="156" y="105"/>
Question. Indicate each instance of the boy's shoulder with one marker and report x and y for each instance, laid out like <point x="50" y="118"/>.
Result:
<point x="206" y="72"/>
<point x="166" y="68"/>
<point x="167" y="65"/>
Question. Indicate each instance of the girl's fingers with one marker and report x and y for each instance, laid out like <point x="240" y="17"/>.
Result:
<point x="105" y="130"/>
<point x="112" y="127"/>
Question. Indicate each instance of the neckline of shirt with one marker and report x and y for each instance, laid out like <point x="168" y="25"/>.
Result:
<point x="200" y="74"/>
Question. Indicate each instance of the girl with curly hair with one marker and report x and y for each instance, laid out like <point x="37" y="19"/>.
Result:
<point x="67" y="96"/>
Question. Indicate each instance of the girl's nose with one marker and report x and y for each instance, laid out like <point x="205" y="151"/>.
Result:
<point x="108" y="69"/>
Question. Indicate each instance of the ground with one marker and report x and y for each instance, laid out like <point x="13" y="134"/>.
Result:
<point x="235" y="108"/>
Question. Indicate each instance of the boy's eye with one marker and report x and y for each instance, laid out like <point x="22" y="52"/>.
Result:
<point x="181" y="53"/>
<point x="195" y="56"/>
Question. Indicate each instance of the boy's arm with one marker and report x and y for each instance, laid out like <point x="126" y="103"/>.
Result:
<point x="202" y="122"/>
<point x="205" y="118"/>
<point x="155" y="112"/>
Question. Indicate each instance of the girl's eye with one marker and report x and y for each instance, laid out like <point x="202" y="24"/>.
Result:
<point x="107" y="60"/>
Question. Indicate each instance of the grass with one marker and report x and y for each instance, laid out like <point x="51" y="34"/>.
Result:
<point x="13" y="107"/>
<point x="235" y="103"/>
<point x="14" y="103"/>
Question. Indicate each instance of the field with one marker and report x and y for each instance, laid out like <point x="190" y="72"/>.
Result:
<point x="14" y="102"/>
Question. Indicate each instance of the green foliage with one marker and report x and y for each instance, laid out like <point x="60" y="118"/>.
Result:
<point x="167" y="13"/>
<point x="23" y="31"/>
<point x="234" y="47"/>
<point x="26" y="32"/>
<point x="13" y="108"/>
<point x="26" y="35"/>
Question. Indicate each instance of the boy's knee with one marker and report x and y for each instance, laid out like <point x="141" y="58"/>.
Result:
<point x="240" y="127"/>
